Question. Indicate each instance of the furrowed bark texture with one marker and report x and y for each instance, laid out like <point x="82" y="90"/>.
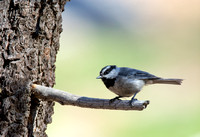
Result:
<point x="29" y="41"/>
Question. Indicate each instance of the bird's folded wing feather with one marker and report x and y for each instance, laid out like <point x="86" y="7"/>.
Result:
<point x="137" y="74"/>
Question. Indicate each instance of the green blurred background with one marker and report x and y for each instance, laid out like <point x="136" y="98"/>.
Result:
<point x="160" y="37"/>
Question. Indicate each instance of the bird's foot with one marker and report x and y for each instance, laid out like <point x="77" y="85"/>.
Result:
<point x="132" y="101"/>
<point x="113" y="100"/>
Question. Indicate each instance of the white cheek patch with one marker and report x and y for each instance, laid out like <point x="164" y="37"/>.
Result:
<point x="112" y="74"/>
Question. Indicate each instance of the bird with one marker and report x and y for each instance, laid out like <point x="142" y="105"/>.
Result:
<point x="127" y="82"/>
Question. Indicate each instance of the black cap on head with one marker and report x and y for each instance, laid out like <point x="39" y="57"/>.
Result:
<point x="105" y="70"/>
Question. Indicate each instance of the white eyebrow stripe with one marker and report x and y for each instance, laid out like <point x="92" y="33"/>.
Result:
<point x="105" y="69"/>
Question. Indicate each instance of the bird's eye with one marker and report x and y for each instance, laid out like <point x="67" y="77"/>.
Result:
<point x="106" y="72"/>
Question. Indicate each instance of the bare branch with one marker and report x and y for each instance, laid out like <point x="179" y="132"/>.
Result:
<point x="65" y="98"/>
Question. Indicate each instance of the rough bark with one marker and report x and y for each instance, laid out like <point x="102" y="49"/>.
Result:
<point x="29" y="41"/>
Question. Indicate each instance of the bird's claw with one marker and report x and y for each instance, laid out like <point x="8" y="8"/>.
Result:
<point x="113" y="100"/>
<point x="132" y="101"/>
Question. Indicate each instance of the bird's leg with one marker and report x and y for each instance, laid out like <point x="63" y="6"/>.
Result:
<point x="116" y="98"/>
<point x="133" y="98"/>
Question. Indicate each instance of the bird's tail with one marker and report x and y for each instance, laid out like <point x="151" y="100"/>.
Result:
<point x="168" y="81"/>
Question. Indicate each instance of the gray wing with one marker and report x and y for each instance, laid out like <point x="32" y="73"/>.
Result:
<point x="136" y="74"/>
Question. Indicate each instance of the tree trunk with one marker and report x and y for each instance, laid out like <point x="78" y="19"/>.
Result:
<point x="29" y="41"/>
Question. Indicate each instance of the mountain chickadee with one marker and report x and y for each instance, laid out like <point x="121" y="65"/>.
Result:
<point x="127" y="82"/>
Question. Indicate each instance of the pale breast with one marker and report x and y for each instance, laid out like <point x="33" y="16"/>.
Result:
<point x="127" y="87"/>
